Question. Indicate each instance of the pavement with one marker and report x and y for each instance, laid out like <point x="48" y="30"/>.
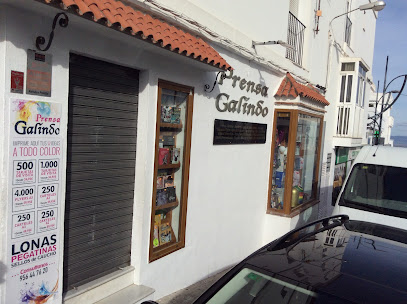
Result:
<point x="189" y="294"/>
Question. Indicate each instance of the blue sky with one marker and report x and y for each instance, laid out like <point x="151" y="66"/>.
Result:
<point x="391" y="40"/>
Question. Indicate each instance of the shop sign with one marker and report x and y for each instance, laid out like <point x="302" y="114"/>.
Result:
<point x="243" y="104"/>
<point x="39" y="73"/>
<point x="228" y="132"/>
<point x="33" y="242"/>
<point x="328" y="162"/>
<point x="17" y="82"/>
<point x="353" y="153"/>
<point x="341" y="155"/>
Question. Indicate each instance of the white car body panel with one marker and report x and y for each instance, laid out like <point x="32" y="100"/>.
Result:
<point x="378" y="155"/>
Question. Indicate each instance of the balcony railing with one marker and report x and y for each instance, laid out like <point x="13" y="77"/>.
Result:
<point x="342" y="126"/>
<point x="295" y="38"/>
<point x="348" y="30"/>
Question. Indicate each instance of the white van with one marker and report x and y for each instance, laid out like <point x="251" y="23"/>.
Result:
<point x="376" y="188"/>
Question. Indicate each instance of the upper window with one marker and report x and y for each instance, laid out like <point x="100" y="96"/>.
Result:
<point x="294" y="172"/>
<point x="346" y="88"/>
<point x="348" y="66"/>
<point x="295" y="34"/>
<point x="360" y="98"/>
<point x="349" y="72"/>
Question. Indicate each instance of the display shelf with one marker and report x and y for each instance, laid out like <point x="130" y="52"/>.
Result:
<point x="167" y="206"/>
<point x="169" y="166"/>
<point x="167" y="125"/>
<point x="173" y="142"/>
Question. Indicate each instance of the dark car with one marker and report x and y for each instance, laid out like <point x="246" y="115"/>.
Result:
<point x="332" y="260"/>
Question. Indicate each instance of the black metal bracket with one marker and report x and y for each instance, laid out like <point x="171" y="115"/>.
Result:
<point x="63" y="22"/>
<point x="207" y="86"/>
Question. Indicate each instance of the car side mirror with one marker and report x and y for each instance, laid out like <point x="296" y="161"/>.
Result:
<point x="335" y="195"/>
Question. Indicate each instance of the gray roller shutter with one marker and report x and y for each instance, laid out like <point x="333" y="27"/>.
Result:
<point x="102" y="134"/>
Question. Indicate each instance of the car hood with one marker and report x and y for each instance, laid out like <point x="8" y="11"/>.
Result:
<point x="358" y="265"/>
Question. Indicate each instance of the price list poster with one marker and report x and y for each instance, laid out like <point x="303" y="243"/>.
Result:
<point x="34" y="203"/>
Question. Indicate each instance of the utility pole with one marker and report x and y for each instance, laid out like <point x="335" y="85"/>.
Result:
<point x="383" y="97"/>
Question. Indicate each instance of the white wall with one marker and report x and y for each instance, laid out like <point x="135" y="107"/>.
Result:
<point x="228" y="184"/>
<point x="4" y="182"/>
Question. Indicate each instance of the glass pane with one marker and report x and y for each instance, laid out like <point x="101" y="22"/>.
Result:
<point x="349" y="88"/>
<point x="279" y="160"/>
<point x="171" y="140"/>
<point x="378" y="189"/>
<point x="305" y="162"/>
<point x="343" y="82"/>
<point x="358" y="91"/>
<point x="346" y="122"/>
<point x="348" y="66"/>
<point x="340" y="120"/>
<point x="362" y="71"/>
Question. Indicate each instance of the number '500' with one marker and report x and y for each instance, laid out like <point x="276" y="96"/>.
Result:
<point x="24" y="165"/>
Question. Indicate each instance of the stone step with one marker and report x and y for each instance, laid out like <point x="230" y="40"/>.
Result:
<point x="134" y="294"/>
<point x="119" y="284"/>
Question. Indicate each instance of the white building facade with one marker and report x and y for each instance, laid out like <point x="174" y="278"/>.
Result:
<point x="121" y="172"/>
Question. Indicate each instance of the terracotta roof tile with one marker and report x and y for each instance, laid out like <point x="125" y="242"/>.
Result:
<point x="97" y="14"/>
<point x="290" y="87"/>
<point x="114" y="13"/>
<point x="83" y="8"/>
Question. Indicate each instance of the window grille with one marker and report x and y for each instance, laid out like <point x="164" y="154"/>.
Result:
<point x="295" y="38"/>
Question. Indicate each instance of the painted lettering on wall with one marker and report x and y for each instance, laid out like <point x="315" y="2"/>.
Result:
<point x="242" y="105"/>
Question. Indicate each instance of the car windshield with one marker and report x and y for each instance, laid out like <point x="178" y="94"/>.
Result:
<point x="250" y="286"/>
<point x="380" y="189"/>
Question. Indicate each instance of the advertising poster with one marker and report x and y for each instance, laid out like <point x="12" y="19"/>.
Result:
<point x="34" y="203"/>
<point x="17" y="82"/>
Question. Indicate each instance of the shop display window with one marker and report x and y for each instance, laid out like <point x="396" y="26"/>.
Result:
<point x="294" y="162"/>
<point x="171" y="170"/>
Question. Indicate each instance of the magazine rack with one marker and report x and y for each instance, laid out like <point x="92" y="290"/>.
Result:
<point x="171" y="169"/>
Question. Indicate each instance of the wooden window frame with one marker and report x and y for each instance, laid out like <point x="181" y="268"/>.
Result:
<point x="287" y="211"/>
<point x="163" y="250"/>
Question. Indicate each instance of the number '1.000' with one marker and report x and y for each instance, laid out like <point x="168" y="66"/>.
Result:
<point x="49" y="164"/>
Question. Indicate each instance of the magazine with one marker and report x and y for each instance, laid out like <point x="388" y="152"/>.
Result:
<point x="168" y="181"/>
<point x="166" y="113"/>
<point x="161" y="197"/>
<point x="171" y="195"/>
<point x="168" y="140"/>
<point x="176" y="116"/>
<point x="157" y="224"/>
<point x="165" y="233"/>
<point x="160" y="182"/>
<point x="175" y="154"/>
<point x="163" y="156"/>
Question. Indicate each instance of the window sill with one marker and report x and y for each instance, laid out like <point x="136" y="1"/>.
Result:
<point x="102" y="287"/>
<point x="295" y="211"/>
<point x="165" y="249"/>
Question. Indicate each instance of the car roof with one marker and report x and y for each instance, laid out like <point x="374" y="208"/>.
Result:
<point x="356" y="261"/>
<point x="383" y="155"/>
